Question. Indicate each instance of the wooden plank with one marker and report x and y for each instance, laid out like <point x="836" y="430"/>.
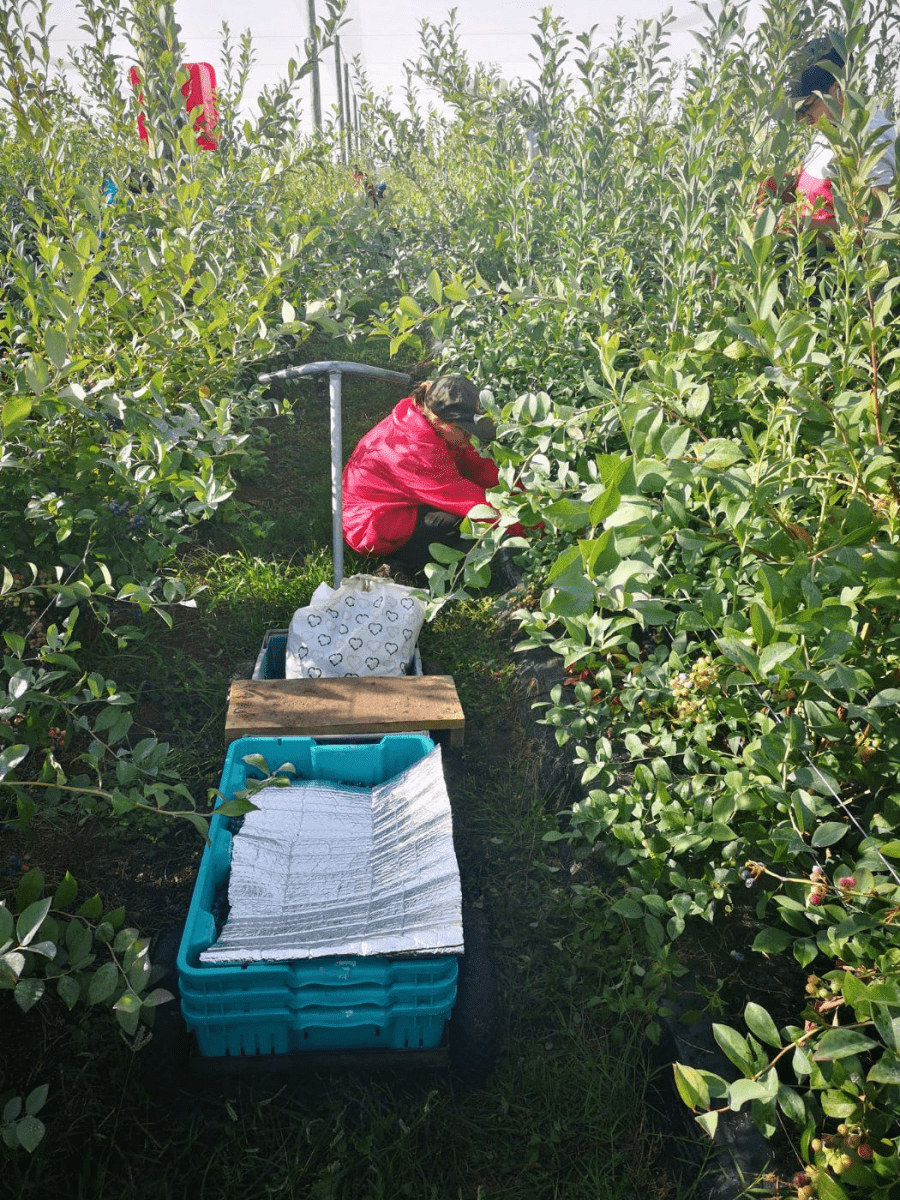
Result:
<point x="316" y="707"/>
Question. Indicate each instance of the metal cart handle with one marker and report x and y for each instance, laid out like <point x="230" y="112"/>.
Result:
<point x="334" y="370"/>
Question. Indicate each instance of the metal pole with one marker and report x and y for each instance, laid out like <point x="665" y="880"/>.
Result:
<point x="356" y="125"/>
<point x="316" y="84"/>
<point x="334" y="368"/>
<point x="337" y="497"/>
<point x="340" y="94"/>
<point x="349" y="121"/>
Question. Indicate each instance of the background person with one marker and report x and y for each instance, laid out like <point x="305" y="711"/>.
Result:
<point x="413" y="478"/>
<point x="814" y="93"/>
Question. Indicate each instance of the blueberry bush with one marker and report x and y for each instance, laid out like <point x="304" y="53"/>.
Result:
<point x="141" y="284"/>
<point x="697" y="398"/>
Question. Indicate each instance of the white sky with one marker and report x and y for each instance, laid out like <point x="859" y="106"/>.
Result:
<point x="384" y="33"/>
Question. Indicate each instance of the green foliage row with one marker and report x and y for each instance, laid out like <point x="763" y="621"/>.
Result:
<point x="142" y="288"/>
<point x="701" y="410"/>
<point x="87" y="957"/>
<point x="141" y="285"/>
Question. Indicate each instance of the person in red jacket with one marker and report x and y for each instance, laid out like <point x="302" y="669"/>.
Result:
<point x="413" y="478"/>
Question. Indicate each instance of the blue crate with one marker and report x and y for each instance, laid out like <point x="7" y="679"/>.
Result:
<point x="320" y="982"/>
<point x="365" y="1027"/>
<point x="323" y="1003"/>
<point x="271" y="658"/>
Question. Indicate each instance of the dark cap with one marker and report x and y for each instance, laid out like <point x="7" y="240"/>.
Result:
<point x="812" y="69"/>
<point x="455" y="400"/>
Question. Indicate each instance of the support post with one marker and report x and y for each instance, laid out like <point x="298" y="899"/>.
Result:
<point x="338" y="75"/>
<point x="337" y="497"/>
<point x="314" y="55"/>
<point x="349" y="121"/>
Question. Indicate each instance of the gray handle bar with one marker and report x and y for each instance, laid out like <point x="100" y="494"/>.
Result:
<point x="330" y="368"/>
<point x="334" y="370"/>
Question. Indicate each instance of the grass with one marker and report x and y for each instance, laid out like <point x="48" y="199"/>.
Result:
<point x="566" y="1112"/>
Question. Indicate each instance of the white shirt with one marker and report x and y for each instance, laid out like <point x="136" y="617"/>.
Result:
<point x="820" y="163"/>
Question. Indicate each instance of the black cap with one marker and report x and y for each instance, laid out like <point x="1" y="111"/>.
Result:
<point x="812" y="68"/>
<point x="455" y="399"/>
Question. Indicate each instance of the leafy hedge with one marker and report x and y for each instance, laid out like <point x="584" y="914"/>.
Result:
<point x="702" y="411"/>
<point x="140" y="289"/>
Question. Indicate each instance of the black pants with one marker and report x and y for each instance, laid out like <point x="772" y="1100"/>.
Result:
<point x="432" y="525"/>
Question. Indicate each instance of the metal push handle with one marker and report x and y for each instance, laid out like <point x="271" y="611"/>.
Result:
<point x="334" y="370"/>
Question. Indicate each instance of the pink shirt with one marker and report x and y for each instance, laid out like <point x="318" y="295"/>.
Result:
<point x="401" y="465"/>
<point x="816" y="197"/>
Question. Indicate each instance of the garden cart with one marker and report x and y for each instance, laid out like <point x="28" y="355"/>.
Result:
<point x="414" y="1009"/>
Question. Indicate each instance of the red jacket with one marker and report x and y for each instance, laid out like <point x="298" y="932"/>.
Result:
<point x="401" y="465"/>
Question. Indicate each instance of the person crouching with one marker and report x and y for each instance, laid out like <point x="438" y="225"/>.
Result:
<point x="412" y="479"/>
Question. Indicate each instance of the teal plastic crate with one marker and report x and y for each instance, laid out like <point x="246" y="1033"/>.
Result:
<point x="323" y="1003"/>
<point x="271" y="659"/>
<point x="320" y="982"/>
<point x="362" y="1027"/>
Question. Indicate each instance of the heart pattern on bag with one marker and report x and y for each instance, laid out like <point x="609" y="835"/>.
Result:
<point x="365" y="628"/>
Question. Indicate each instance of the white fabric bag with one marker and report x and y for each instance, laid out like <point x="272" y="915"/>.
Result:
<point x="366" y="627"/>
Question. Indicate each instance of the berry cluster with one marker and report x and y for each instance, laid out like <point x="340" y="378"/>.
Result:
<point x="750" y="872"/>
<point x="14" y="866"/>
<point x="693" y="690"/>
<point x="122" y="508"/>
<point x="819" y="889"/>
<point x="822" y="989"/>
<point x="839" y="1152"/>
